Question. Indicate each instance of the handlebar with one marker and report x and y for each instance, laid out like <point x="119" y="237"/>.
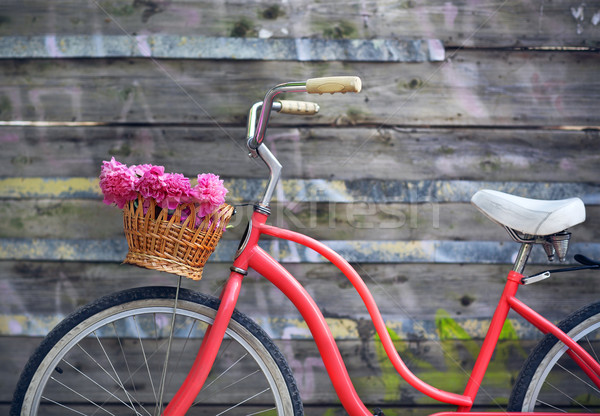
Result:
<point x="305" y="108"/>
<point x="331" y="85"/>
<point x="257" y="128"/>
<point x="284" y="106"/>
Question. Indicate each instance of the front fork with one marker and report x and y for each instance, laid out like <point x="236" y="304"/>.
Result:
<point x="187" y="393"/>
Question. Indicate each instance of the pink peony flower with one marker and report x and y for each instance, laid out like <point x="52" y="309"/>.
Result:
<point x="152" y="184"/>
<point x="178" y="190"/>
<point x="209" y="193"/>
<point x="139" y="170"/>
<point x="121" y="184"/>
<point x="117" y="183"/>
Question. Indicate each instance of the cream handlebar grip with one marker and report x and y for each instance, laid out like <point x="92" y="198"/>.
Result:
<point x="332" y="85"/>
<point x="298" y="107"/>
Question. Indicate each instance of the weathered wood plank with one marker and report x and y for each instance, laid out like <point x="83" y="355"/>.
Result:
<point x="475" y="88"/>
<point x="354" y="251"/>
<point x="406" y="154"/>
<point x="410" y="296"/>
<point x="492" y="23"/>
<point x="85" y="219"/>
<point x="320" y="190"/>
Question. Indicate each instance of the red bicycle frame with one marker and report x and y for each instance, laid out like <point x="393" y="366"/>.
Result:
<point x="252" y="256"/>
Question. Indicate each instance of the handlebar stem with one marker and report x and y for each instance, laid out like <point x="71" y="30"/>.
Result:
<point x="264" y="153"/>
<point x="274" y="173"/>
<point x="256" y="139"/>
<point x="252" y="118"/>
<point x="251" y="129"/>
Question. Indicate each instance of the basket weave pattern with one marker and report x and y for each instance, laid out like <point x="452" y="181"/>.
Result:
<point x="159" y="242"/>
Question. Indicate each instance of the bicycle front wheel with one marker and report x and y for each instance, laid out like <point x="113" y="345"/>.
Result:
<point x="110" y="357"/>
<point x="550" y="380"/>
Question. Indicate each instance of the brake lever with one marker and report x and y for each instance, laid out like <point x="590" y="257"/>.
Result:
<point x="580" y="258"/>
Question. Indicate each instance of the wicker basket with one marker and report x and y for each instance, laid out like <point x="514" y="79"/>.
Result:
<point x="161" y="243"/>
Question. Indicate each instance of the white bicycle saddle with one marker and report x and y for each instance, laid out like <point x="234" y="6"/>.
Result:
<point x="530" y="216"/>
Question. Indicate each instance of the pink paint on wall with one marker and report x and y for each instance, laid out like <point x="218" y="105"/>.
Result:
<point x="450" y="13"/>
<point x="52" y="48"/>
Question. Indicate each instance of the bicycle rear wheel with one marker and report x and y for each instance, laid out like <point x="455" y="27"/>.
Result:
<point x="109" y="358"/>
<point x="550" y="380"/>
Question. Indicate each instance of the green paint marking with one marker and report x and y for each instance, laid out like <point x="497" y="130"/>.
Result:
<point x="508" y="332"/>
<point x="448" y="328"/>
<point x="390" y="380"/>
<point x="501" y="370"/>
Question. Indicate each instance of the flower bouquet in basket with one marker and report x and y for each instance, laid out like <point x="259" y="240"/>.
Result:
<point x="169" y="224"/>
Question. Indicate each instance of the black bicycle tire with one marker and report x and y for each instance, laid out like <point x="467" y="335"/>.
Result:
<point x="146" y="293"/>
<point x="541" y="351"/>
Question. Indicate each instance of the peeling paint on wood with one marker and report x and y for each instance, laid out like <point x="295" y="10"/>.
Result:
<point x="484" y="88"/>
<point x="493" y="23"/>
<point x="288" y="328"/>
<point x="49" y="188"/>
<point x="322" y="190"/>
<point x="203" y="47"/>
<point x="466" y="252"/>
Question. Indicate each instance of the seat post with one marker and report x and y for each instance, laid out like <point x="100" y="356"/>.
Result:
<point x="522" y="257"/>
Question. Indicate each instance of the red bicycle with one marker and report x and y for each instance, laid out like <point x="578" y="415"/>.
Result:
<point x="171" y="351"/>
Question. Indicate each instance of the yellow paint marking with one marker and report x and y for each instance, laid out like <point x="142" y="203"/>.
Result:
<point x="71" y="187"/>
<point x="294" y="328"/>
<point x="54" y="187"/>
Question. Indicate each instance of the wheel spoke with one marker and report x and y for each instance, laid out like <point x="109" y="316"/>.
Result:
<point x="82" y="396"/>
<point x="104" y="370"/>
<point x="551" y="406"/>
<point x="163" y="377"/>
<point x="63" y="406"/>
<point x="564" y="394"/>
<point x="580" y="379"/>
<point x="262" y="411"/>
<point x="130" y="405"/>
<point x="240" y="380"/>
<point x="130" y="379"/>
<point x="242" y="402"/>
<point x="181" y="353"/>
<point x="145" y="358"/>
<point x="120" y="386"/>
<point x="225" y="371"/>
<point x="592" y="349"/>
<point x="125" y="360"/>
<point x="228" y="386"/>
<point x="119" y="382"/>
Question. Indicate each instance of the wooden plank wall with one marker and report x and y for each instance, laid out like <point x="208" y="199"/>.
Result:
<point x="457" y="96"/>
